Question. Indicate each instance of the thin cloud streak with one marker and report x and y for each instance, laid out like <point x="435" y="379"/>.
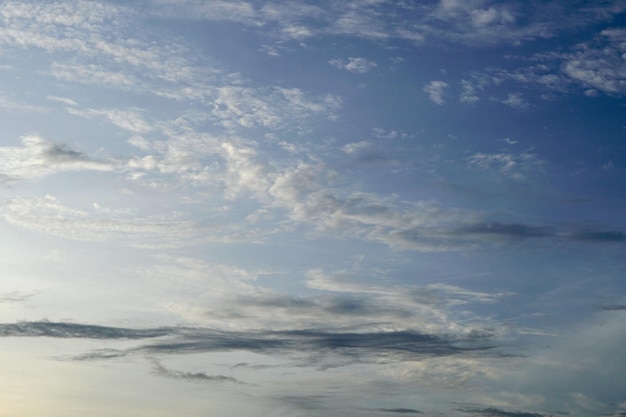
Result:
<point x="345" y="345"/>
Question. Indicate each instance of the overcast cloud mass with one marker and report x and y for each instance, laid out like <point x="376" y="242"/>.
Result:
<point x="313" y="208"/>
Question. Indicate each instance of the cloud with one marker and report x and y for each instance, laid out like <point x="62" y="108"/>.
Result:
<point x="473" y="22"/>
<point x="76" y="331"/>
<point x="48" y="215"/>
<point x="241" y="12"/>
<point x="496" y="412"/>
<point x="400" y="410"/>
<point x="38" y="157"/>
<point x="355" y="147"/>
<point x="600" y="64"/>
<point x="63" y="100"/>
<point x="161" y="370"/>
<point x="95" y="74"/>
<point x="435" y="90"/>
<point x="516" y="101"/>
<point x="614" y="307"/>
<point x="15" y="297"/>
<point x="513" y="230"/>
<point x="129" y="120"/>
<point x="469" y="92"/>
<point x="599" y="236"/>
<point x="358" y="65"/>
<point x="518" y="166"/>
<point x="573" y="233"/>
<point x="275" y="108"/>
<point x="236" y="297"/>
<point x="310" y="346"/>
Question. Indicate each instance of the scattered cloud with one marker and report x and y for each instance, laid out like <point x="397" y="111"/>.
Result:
<point x="600" y="64"/>
<point x="358" y="65"/>
<point x="518" y="166"/>
<point x="471" y="22"/>
<point x="355" y="147"/>
<point x="435" y="91"/>
<point x="516" y="101"/>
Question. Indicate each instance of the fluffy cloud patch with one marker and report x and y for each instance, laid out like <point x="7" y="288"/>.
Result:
<point x="435" y="91"/>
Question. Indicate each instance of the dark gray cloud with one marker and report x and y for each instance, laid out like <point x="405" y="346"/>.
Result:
<point x="614" y="307"/>
<point x="335" y="305"/>
<point x="77" y="331"/>
<point x="523" y="231"/>
<point x="308" y="346"/>
<point x="62" y="153"/>
<point x="507" y="229"/>
<point x="396" y="345"/>
<point x="600" y="236"/>
<point x="400" y="410"/>
<point x="161" y="370"/>
<point x="496" y="412"/>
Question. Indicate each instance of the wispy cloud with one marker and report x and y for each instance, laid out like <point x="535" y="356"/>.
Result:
<point x="496" y="412"/>
<point x="518" y="166"/>
<point x="358" y="65"/>
<point x="161" y="370"/>
<point x="50" y="216"/>
<point x="76" y="331"/>
<point x="38" y="157"/>
<point x="129" y="119"/>
<point x="303" y="345"/>
<point x="13" y="297"/>
<point x="400" y="410"/>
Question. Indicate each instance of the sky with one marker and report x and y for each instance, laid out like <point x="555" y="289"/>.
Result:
<point x="313" y="208"/>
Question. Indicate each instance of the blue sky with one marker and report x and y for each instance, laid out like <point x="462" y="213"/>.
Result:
<point x="313" y="208"/>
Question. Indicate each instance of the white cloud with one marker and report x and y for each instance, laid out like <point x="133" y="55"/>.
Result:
<point x="63" y="100"/>
<point x="225" y="296"/>
<point x="130" y="119"/>
<point x="516" y="101"/>
<point x="303" y="191"/>
<point x="435" y="91"/>
<point x="355" y="147"/>
<point x="48" y="215"/>
<point x="600" y="65"/>
<point x="242" y="12"/>
<point x="94" y="74"/>
<point x="516" y="165"/>
<point x="471" y="89"/>
<point x="244" y="172"/>
<point x="358" y="65"/>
